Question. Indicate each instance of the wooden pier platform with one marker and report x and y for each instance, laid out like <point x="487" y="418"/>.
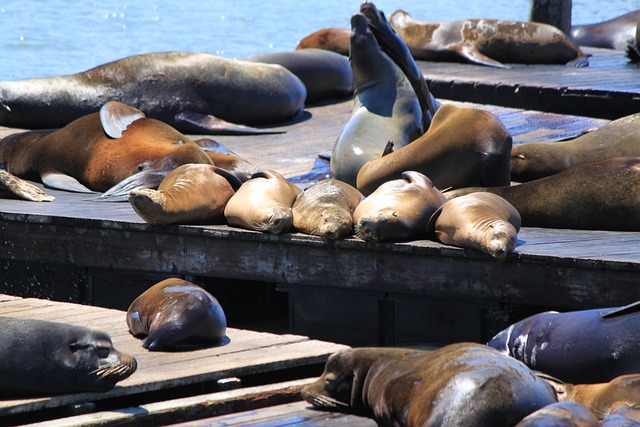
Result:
<point x="263" y="369"/>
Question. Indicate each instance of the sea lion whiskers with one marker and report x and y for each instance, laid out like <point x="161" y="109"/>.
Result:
<point x="115" y="368"/>
<point x="327" y="402"/>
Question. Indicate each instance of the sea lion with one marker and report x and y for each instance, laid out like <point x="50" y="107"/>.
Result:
<point x="385" y="108"/>
<point x="491" y="42"/>
<point x="583" y="346"/>
<point x="176" y="314"/>
<point x="326" y="75"/>
<point x="616" y="33"/>
<point x="13" y="187"/>
<point x="325" y="209"/>
<point x="481" y="221"/>
<point x="40" y="358"/>
<point x="263" y="203"/>
<point x="619" y="138"/>
<point x="564" y="200"/>
<point x="463" y="147"/>
<point x="190" y="194"/>
<point x="560" y="414"/>
<point x="460" y="384"/>
<point x="398" y="210"/>
<point x="193" y="92"/>
<point x="602" y="398"/>
<point x="333" y="39"/>
<point x="99" y="150"/>
<point x="622" y="415"/>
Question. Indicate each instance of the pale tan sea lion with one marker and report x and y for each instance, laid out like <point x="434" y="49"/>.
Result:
<point x="325" y="209"/>
<point x="263" y="203"/>
<point x="12" y="186"/>
<point x="481" y="221"/>
<point x="463" y="147"/>
<point x="490" y="42"/>
<point x="398" y="210"/>
<point x="333" y="39"/>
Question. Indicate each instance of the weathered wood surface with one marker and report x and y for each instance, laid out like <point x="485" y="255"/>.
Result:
<point x="246" y="353"/>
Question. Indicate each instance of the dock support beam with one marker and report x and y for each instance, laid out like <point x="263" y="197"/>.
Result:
<point x="552" y="12"/>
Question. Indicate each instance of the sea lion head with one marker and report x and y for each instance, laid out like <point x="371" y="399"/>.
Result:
<point x="501" y="239"/>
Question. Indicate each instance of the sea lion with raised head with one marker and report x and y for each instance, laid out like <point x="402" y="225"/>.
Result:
<point x="263" y="203"/>
<point x="193" y="92"/>
<point x="40" y="358"/>
<point x="564" y="200"/>
<point x="491" y="42"/>
<point x="481" y="221"/>
<point x="457" y="385"/>
<point x="463" y="147"/>
<point x="175" y="314"/>
<point x="385" y="108"/>
<point x="398" y="210"/>
<point x="325" y="209"/>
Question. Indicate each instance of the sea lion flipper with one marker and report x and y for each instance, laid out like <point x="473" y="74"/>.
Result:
<point x="210" y="145"/>
<point x="115" y="117"/>
<point x="431" y="226"/>
<point x="471" y="53"/>
<point x="52" y="178"/>
<point x="22" y="189"/>
<point x="150" y="178"/>
<point x="629" y="308"/>
<point x="198" y="123"/>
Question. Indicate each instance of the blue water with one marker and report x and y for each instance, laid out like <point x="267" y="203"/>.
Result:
<point x="53" y="37"/>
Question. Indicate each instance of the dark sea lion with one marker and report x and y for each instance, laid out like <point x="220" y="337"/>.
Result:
<point x="560" y="414"/>
<point x="263" y="203"/>
<point x="175" y="314"/>
<point x="564" y="200"/>
<point x="326" y="75"/>
<point x="622" y="415"/>
<point x="98" y="151"/>
<point x="461" y="384"/>
<point x="325" y="209"/>
<point x="481" y="221"/>
<point x="463" y="147"/>
<point x="193" y="92"/>
<point x="491" y="42"/>
<point x="333" y="39"/>
<point x="13" y="187"/>
<point x="583" y="346"/>
<point x="385" y="109"/>
<point x="619" y="138"/>
<point x="190" y="194"/>
<point x="616" y="33"/>
<point x="39" y="358"/>
<point x="398" y="210"/>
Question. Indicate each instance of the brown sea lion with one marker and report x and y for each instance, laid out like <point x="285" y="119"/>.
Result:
<point x="386" y="107"/>
<point x="263" y="203"/>
<point x="13" y="187"/>
<point x="333" y="39"/>
<point x="190" y="194"/>
<point x="560" y="414"/>
<point x="398" y="210"/>
<point x="193" y="92"/>
<point x="622" y="415"/>
<point x="583" y="346"/>
<point x="40" y="358"/>
<point x="325" y="209"/>
<point x="593" y="196"/>
<point x="461" y="384"/>
<point x="176" y="314"/>
<point x="98" y="151"/>
<point x="619" y="138"/>
<point x="616" y="33"/>
<point x="491" y="42"/>
<point x="463" y="147"/>
<point x="481" y="221"/>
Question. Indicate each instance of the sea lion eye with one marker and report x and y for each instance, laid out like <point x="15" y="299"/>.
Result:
<point x="142" y="166"/>
<point x="103" y="351"/>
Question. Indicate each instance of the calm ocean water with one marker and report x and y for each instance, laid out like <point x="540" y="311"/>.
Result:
<point x="54" y="37"/>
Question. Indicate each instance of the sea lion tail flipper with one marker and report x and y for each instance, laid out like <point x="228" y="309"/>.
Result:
<point x="629" y="308"/>
<point x="472" y="54"/>
<point x="115" y="117"/>
<point x="52" y="178"/>
<point x="388" y="149"/>
<point x="578" y="62"/>
<point x="198" y="123"/>
<point x="22" y="189"/>
<point x="213" y="146"/>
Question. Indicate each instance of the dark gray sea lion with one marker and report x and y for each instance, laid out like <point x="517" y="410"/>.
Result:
<point x="40" y="358"/>
<point x="560" y="414"/>
<point x="175" y="314"/>
<point x="461" y="384"/>
<point x="193" y="92"/>
<point x="489" y="42"/>
<point x="326" y="75"/>
<point x="616" y="33"/>
<point x="385" y="109"/>
<point x="332" y="39"/>
<point x="592" y="196"/>
<point x="584" y="346"/>
<point x="619" y="138"/>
